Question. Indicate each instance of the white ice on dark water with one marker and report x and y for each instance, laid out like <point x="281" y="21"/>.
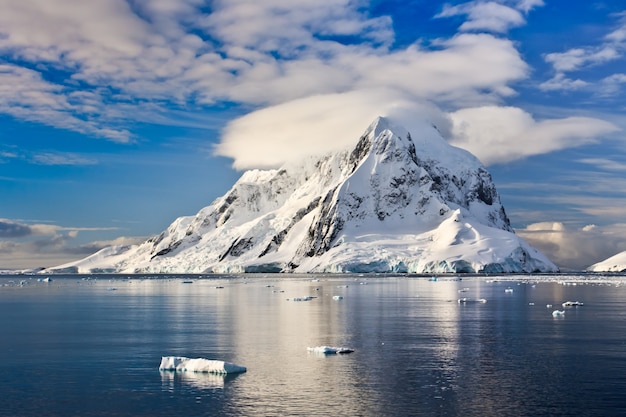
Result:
<point x="183" y="364"/>
<point x="326" y="350"/>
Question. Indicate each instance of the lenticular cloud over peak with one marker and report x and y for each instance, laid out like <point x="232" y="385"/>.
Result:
<point x="319" y="124"/>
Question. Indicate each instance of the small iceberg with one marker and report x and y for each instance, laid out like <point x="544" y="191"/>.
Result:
<point x="329" y="350"/>
<point x="305" y="298"/>
<point x="572" y="304"/>
<point x="182" y="364"/>
<point x="466" y="300"/>
<point x="558" y="313"/>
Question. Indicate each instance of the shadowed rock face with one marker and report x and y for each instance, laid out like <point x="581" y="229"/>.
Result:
<point x="315" y="216"/>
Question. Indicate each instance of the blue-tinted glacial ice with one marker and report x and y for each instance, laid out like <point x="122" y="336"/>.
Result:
<point x="182" y="364"/>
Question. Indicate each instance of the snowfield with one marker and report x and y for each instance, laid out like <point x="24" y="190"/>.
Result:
<point x="616" y="263"/>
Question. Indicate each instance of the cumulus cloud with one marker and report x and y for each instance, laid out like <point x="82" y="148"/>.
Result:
<point x="575" y="248"/>
<point x="502" y="134"/>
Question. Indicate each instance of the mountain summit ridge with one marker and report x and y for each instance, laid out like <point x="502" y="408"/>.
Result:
<point x="390" y="204"/>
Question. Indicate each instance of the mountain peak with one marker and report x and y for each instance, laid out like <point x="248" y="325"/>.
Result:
<point x="397" y="202"/>
<point x="382" y="124"/>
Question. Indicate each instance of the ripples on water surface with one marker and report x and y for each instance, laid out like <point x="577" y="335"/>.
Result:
<point x="89" y="347"/>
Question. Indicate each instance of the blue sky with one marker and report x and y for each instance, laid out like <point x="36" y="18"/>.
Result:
<point x="117" y="116"/>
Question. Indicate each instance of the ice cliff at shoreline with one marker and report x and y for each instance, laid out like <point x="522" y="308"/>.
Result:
<point x="396" y="202"/>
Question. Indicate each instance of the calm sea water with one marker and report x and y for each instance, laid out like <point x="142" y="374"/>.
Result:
<point x="92" y="347"/>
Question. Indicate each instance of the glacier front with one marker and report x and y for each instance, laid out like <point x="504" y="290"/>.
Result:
<point x="396" y="202"/>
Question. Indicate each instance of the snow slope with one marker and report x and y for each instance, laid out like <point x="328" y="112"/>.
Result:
<point x="616" y="263"/>
<point x="396" y="202"/>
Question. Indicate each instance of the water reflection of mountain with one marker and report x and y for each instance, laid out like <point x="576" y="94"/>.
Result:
<point x="201" y="380"/>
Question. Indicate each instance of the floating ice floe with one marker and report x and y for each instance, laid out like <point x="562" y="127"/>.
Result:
<point x="305" y="298"/>
<point x="558" y="313"/>
<point x="466" y="300"/>
<point x="572" y="304"/>
<point x="182" y="364"/>
<point x="326" y="350"/>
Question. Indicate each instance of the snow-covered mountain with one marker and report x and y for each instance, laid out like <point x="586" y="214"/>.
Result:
<point x="616" y="263"/>
<point x="396" y="202"/>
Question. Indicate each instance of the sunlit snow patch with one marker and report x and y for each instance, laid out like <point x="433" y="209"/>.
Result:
<point x="182" y="364"/>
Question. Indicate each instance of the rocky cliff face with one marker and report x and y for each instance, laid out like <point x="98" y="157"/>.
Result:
<point x="396" y="202"/>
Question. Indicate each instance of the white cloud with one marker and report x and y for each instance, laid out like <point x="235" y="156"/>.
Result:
<point x="107" y="58"/>
<point x="611" y="48"/>
<point x="561" y="82"/>
<point x="605" y="164"/>
<point x="26" y="95"/>
<point x="316" y="125"/>
<point x="502" y="134"/>
<point x="492" y="16"/>
<point x="618" y="35"/>
<point x="612" y="85"/>
<point x="574" y="59"/>
<point x="575" y="248"/>
<point x="55" y="158"/>
<point x="486" y="15"/>
<point x="283" y="27"/>
<point x="527" y="5"/>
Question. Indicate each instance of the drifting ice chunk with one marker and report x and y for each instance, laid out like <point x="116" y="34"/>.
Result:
<point x="329" y="350"/>
<point x="305" y="298"/>
<point x="557" y="313"/>
<point x="182" y="364"/>
<point x="465" y="300"/>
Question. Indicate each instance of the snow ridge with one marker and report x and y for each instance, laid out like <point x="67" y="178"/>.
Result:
<point x="396" y="202"/>
<point x="616" y="263"/>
